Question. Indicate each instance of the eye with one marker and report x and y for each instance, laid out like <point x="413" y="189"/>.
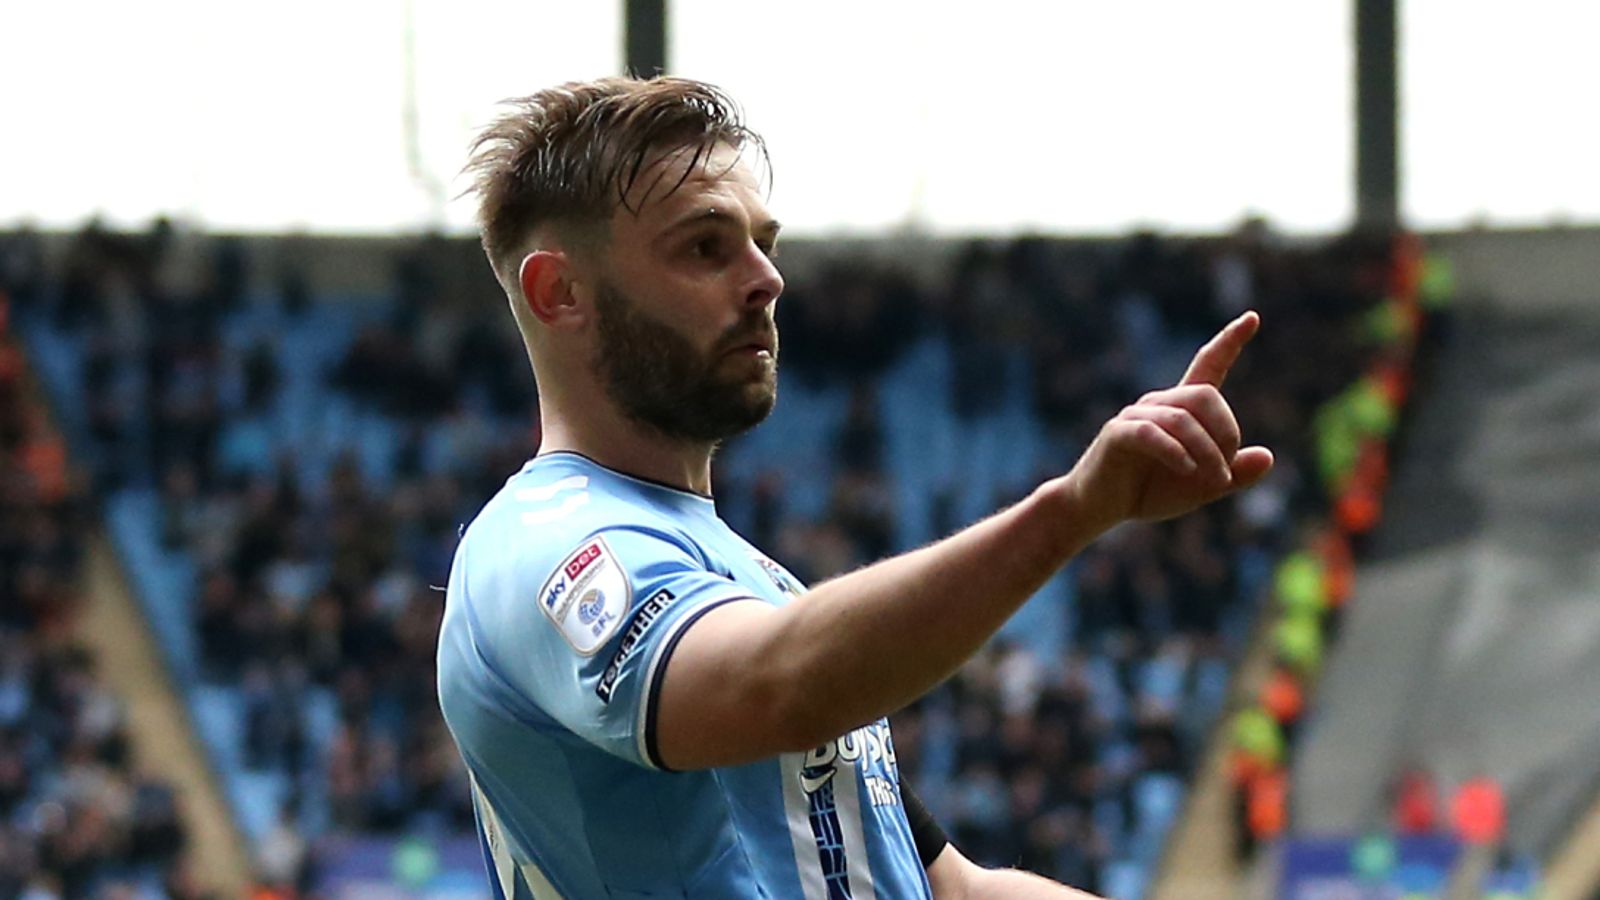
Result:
<point x="705" y="248"/>
<point x="769" y="248"/>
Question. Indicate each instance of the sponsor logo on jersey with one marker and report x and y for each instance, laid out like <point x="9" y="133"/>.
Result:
<point x="870" y="747"/>
<point x="592" y="607"/>
<point x="587" y="596"/>
<point x="581" y="560"/>
<point x="648" y="612"/>
<point x="780" y="576"/>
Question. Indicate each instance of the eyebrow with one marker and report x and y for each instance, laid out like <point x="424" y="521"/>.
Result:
<point x="768" y="228"/>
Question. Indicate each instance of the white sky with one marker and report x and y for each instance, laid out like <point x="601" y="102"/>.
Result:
<point x="1498" y="111"/>
<point x="1065" y="116"/>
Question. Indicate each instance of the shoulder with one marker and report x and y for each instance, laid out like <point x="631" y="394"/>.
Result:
<point x="566" y="548"/>
<point x="563" y="512"/>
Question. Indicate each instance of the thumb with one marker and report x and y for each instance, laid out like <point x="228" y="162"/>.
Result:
<point x="1250" y="465"/>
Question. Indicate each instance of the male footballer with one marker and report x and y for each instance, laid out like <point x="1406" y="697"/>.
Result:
<point x="648" y="705"/>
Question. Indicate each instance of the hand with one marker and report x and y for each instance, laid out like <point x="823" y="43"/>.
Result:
<point x="1174" y="450"/>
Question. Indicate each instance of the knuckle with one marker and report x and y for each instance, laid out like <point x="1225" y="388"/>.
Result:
<point x="1146" y="430"/>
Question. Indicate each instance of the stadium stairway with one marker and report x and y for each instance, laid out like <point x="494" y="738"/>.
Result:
<point x="161" y="583"/>
<point x="113" y="627"/>
<point x="1202" y="862"/>
<point x="1473" y="643"/>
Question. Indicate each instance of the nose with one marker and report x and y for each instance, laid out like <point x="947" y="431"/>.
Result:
<point x="765" y="282"/>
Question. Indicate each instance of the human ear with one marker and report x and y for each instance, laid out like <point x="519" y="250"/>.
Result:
<point x="547" y="288"/>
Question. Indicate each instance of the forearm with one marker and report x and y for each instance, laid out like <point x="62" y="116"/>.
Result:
<point x="954" y="877"/>
<point x="1013" y="884"/>
<point x="869" y="642"/>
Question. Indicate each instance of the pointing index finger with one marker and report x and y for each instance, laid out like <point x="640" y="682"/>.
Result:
<point x="1212" y="362"/>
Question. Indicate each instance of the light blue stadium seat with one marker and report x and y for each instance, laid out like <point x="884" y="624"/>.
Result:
<point x="257" y="799"/>
<point x="1110" y="817"/>
<point x="256" y="796"/>
<point x="1105" y="693"/>
<point x="1161" y="679"/>
<point x="1211" y="680"/>
<point x="1123" y="880"/>
<point x="1157" y="801"/>
<point x="799" y="438"/>
<point x="1158" y="797"/>
<point x="1041" y="624"/>
<point x="220" y="720"/>
<point x="247" y="446"/>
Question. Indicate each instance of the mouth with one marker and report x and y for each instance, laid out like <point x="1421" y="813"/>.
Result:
<point x="761" y="346"/>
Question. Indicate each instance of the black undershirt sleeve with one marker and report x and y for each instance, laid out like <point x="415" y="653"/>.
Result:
<point x="925" y="832"/>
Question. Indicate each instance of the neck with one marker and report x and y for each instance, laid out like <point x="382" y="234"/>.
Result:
<point x="618" y="443"/>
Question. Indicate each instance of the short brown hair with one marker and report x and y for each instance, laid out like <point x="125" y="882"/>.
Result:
<point x="570" y="155"/>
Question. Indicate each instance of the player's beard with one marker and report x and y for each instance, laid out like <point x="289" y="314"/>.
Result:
<point x="659" y="379"/>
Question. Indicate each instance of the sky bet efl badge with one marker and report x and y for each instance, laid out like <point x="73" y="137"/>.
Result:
<point x="588" y="596"/>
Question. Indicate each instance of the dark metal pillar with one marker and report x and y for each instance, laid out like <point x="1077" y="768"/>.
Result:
<point x="644" y="28"/>
<point x="1377" y="128"/>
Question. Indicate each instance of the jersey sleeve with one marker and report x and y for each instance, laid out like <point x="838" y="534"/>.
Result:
<point x="608" y="616"/>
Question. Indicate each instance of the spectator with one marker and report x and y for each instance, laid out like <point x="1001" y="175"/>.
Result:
<point x="1416" y="807"/>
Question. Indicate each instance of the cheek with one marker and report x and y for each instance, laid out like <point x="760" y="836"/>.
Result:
<point x="682" y="332"/>
<point x="699" y="318"/>
<point x="693" y="303"/>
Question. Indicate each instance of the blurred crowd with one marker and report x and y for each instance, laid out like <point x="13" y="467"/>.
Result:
<point x="1059" y="760"/>
<point x="1068" y="763"/>
<point x="1352" y="432"/>
<point x="77" y="818"/>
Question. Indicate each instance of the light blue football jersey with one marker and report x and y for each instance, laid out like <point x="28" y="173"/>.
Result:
<point x="567" y="595"/>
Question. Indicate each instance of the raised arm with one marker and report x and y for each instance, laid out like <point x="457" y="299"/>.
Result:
<point x="748" y="681"/>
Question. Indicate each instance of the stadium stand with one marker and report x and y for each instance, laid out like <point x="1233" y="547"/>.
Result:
<point x="1353" y="431"/>
<point x="1408" y="737"/>
<point x="77" y="819"/>
<point x="285" y="469"/>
